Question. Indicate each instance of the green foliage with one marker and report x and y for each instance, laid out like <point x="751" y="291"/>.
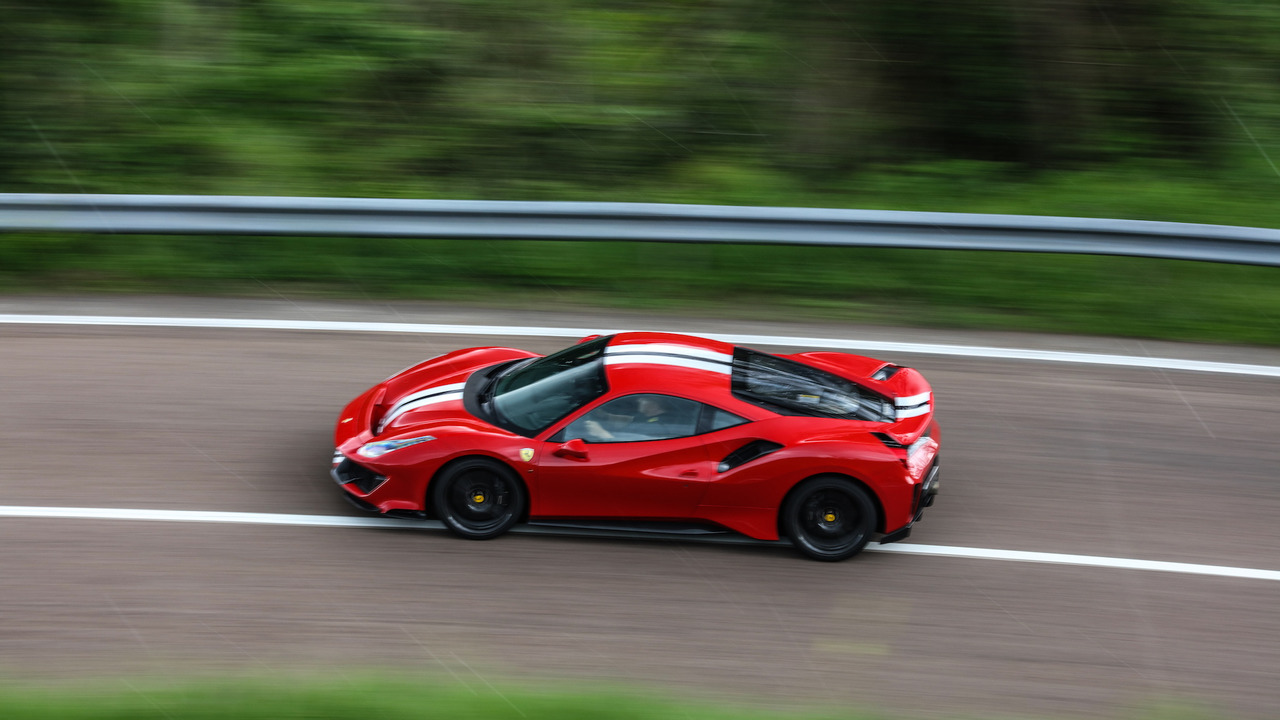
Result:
<point x="497" y="99"/>
<point x="1148" y="109"/>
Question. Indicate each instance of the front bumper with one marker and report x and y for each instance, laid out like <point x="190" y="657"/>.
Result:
<point x="925" y="493"/>
<point x="359" y="482"/>
<point x="356" y="481"/>
<point x="355" y="477"/>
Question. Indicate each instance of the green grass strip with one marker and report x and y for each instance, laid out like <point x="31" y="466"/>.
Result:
<point x="1102" y="295"/>
<point x="347" y="698"/>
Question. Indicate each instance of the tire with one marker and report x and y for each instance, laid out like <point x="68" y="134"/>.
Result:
<point x="478" y="498"/>
<point x="829" y="518"/>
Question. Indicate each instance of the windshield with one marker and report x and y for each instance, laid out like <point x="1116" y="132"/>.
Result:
<point x="797" y="388"/>
<point x="529" y="398"/>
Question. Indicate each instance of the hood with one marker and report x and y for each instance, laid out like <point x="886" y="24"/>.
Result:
<point x="432" y="390"/>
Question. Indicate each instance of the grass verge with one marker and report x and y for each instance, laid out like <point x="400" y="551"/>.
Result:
<point x="1165" y="299"/>
<point x="361" y="699"/>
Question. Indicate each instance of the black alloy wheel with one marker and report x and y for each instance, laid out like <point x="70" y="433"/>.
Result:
<point x="478" y="498"/>
<point x="829" y="518"/>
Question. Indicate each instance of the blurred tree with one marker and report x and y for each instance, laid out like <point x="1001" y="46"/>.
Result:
<point x="554" y="97"/>
<point x="39" y="91"/>
<point x="956" y="84"/>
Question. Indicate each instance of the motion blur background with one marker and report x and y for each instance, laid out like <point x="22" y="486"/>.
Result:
<point x="1146" y="109"/>
<point x="1142" y="109"/>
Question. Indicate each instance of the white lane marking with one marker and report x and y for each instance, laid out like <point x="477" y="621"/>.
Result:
<point x="1089" y="560"/>
<point x="83" y="513"/>
<point x="25" y="511"/>
<point x="526" y="331"/>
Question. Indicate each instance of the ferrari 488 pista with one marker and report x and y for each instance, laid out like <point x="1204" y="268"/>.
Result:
<point x="646" y="431"/>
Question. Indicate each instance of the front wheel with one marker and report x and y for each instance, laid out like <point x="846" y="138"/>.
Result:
<point x="478" y="498"/>
<point x="829" y="518"/>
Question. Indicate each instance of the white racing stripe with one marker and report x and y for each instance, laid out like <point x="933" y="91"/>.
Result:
<point x="400" y="407"/>
<point x="436" y="390"/>
<point x="669" y="349"/>
<point x="526" y="331"/>
<point x="906" y="402"/>
<point x="197" y="516"/>
<point x="903" y="414"/>
<point x="692" y="363"/>
<point x="415" y="405"/>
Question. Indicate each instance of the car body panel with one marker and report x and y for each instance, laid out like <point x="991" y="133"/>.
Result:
<point x="422" y="411"/>
<point x="657" y="479"/>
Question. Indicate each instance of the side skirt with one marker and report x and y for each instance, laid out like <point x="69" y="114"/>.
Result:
<point x="656" y="527"/>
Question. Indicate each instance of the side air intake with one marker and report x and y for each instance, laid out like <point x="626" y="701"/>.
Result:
<point x="889" y="441"/>
<point x="747" y="453"/>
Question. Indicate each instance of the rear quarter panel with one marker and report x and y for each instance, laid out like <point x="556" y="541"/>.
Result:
<point x="747" y="498"/>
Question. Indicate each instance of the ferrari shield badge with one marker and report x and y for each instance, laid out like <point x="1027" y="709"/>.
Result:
<point x="526" y="454"/>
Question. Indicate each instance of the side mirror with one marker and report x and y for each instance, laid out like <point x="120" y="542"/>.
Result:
<point x="574" y="450"/>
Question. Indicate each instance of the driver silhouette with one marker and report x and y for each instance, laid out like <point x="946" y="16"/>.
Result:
<point x="644" y="421"/>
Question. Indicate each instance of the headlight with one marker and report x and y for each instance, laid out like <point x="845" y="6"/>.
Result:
<point x="382" y="447"/>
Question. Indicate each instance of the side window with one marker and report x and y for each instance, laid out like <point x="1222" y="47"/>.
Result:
<point x="721" y="419"/>
<point x="636" y="418"/>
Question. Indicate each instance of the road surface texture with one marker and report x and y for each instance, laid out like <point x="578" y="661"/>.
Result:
<point x="1051" y="457"/>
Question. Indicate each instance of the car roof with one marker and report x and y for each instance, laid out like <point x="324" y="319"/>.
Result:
<point x="668" y="363"/>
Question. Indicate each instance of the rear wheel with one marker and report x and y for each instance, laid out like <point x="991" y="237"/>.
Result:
<point x="829" y="518"/>
<point x="478" y="498"/>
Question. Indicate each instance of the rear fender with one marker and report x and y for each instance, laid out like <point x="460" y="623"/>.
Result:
<point x="875" y="498"/>
<point x="766" y="482"/>
<point x="913" y="403"/>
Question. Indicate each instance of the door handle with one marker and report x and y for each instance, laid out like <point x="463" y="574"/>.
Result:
<point x="689" y="474"/>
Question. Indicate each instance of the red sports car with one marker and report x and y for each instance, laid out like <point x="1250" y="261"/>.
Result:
<point x="645" y="430"/>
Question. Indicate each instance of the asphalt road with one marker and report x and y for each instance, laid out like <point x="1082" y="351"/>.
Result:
<point x="1134" y="463"/>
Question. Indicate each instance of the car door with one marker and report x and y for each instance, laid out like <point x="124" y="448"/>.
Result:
<point x="635" y="467"/>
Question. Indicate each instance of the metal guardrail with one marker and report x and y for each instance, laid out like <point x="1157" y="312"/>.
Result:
<point x="364" y="217"/>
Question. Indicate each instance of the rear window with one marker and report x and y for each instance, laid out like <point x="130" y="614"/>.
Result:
<point x="793" y="388"/>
